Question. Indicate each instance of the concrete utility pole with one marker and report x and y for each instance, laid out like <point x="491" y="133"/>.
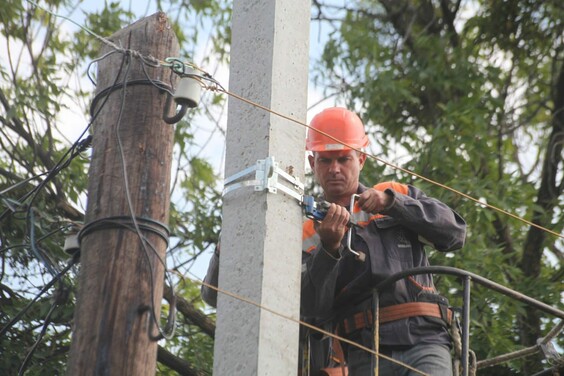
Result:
<point x="112" y="320"/>
<point x="262" y="232"/>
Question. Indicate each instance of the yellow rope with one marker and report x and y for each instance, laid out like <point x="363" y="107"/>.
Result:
<point x="391" y="164"/>
<point x="308" y="325"/>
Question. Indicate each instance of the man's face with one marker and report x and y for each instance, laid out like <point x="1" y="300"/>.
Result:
<point x="337" y="172"/>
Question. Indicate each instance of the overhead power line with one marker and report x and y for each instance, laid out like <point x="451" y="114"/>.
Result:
<point x="180" y="67"/>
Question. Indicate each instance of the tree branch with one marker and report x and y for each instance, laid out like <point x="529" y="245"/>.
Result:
<point x="175" y="363"/>
<point x="191" y="313"/>
<point x="546" y="201"/>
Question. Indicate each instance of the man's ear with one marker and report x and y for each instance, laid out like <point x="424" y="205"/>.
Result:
<point x="361" y="159"/>
<point x="311" y="160"/>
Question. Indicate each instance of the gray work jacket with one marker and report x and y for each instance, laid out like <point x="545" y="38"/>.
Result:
<point x="395" y="242"/>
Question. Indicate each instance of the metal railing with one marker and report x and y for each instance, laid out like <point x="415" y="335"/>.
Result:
<point x="467" y="278"/>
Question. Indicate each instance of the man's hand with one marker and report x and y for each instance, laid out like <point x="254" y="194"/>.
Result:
<point x="373" y="201"/>
<point x="333" y="228"/>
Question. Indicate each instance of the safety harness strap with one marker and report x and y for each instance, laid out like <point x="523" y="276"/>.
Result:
<point x="396" y="312"/>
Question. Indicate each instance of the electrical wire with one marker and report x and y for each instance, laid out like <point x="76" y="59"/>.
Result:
<point x="305" y="324"/>
<point x="49" y="265"/>
<point x="156" y="83"/>
<point x="95" y="61"/>
<point x="46" y="323"/>
<point x="217" y="87"/>
<point x="55" y="279"/>
<point x="22" y="182"/>
<point x="127" y="223"/>
<point x="74" y="151"/>
<point x="396" y="167"/>
<point x="23" y="245"/>
<point x="77" y="147"/>
<point x="105" y="41"/>
<point x="144" y="241"/>
<point x="178" y="66"/>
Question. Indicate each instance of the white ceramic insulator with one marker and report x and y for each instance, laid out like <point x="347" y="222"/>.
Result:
<point x="71" y="244"/>
<point x="188" y="92"/>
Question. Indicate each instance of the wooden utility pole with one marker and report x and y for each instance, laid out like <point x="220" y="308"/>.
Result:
<point x="262" y="231"/>
<point x="118" y="276"/>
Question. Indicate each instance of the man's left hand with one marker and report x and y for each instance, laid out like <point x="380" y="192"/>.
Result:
<point x="373" y="201"/>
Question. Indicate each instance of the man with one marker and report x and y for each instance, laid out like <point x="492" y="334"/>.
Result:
<point x="392" y="222"/>
<point x="395" y="221"/>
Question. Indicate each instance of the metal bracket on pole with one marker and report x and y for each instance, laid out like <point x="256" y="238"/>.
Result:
<point x="267" y="174"/>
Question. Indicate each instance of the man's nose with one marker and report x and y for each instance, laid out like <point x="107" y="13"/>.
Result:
<point x="334" y="167"/>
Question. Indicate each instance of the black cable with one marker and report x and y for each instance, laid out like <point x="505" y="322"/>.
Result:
<point x="23" y="245"/>
<point x="144" y="242"/>
<point x="176" y="117"/>
<point x="107" y="97"/>
<point x="170" y="325"/>
<point x="158" y="84"/>
<point x="75" y="150"/>
<point x="57" y="168"/>
<point x="41" y="292"/>
<point x="33" y="243"/>
<point x="39" y="338"/>
<point x="126" y="222"/>
<point x="80" y="145"/>
<point x="63" y="162"/>
<point x="107" y="91"/>
<point x="14" y="186"/>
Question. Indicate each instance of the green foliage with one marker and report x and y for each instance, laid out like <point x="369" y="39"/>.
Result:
<point x="42" y="79"/>
<point x="104" y="23"/>
<point x="190" y="343"/>
<point x="465" y="97"/>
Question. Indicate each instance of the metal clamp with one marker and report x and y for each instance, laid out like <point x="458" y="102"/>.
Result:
<point x="360" y="256"/>
<point x="267" y="174"/>
<point x="314" y="209"/>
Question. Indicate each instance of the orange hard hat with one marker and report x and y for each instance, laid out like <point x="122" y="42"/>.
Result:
<point x="340" y="123"/>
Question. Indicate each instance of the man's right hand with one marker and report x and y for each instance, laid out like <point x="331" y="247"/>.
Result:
<point x="332" y="228"/>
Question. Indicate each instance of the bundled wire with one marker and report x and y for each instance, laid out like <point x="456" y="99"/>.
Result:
<point x="170" y="327"/>
<point x="137" y="225"/>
